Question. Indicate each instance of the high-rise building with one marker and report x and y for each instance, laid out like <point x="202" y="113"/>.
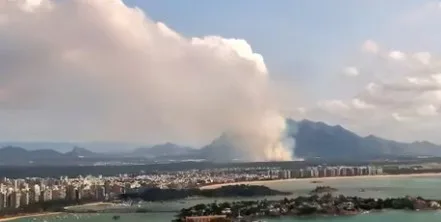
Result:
<point x="35" y="194"/>
<point x="322" y="172"/>
<point x="100" y="193"/>
<point x="301" y="173"/>
<point x="46" y="195"/>
<point x="78" y="194"/>
<point x="379" y="170"/>
<point x="343" y="171"/>
<point x="58" y="194"/>
<point x="9" y="200"/>
<point x="315" y="172"/>
<point x="24" y="200"/>
<point x="16" y="196"/>
<point x="357" y="171"/>
<point x="2" y="200"/>
<point x="15" y="185"/>
<point x="70" y="192"/>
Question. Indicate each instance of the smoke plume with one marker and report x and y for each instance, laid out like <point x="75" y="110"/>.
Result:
<point x="94" y="70"/>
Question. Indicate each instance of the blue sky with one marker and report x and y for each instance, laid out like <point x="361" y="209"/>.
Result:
<point x="308" y="44"/>
<point x="305" y="41"/>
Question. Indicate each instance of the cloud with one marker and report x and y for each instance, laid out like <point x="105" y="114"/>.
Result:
<point x="423" y="57"/>
<point x="400" y="118"/>
<point x="334" y="106"/>
<point x="427" y="110"/>
<point x="370" y="46"/>
<point x="351" y="71"/>
<point x="99" y="70"/>
<point x="399" y="97"/>
<point x="360" y="104"/>
<point x="397" y="55"/>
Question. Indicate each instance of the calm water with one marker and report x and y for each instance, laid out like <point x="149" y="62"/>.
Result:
<point x="428" y="187"/>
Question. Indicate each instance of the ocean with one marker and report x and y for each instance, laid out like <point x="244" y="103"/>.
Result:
<point x="427" y="187"/>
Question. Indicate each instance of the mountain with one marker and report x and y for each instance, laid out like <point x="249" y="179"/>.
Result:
<point x="11" y="154"/>
<point x="81" y="152"/>
<point x="18" y="155"/>
<point x="166" y="149"/>
<point x="317" y="139"/>
<point x="313" y="139"/>
<point x="98" y="147"/>
<point x="220" y="150"/>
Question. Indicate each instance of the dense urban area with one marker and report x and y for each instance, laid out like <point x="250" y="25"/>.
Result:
<point x="18" y="193"/>
<point x="53" y="194"/>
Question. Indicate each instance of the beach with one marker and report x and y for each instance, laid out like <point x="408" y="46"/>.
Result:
<point x="311" y="179"/>
<point x="9" y="218"/>
<point x="90" y="205"/>
<point x="28" y="215"/>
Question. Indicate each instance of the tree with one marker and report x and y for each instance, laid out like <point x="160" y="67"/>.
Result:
<point x="200" y="207"/>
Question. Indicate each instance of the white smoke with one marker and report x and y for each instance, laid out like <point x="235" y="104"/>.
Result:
<point x="99" y="70"/>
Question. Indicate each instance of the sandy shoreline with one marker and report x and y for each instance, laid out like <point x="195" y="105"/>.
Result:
<point x="28" y="215"/>
<point x="264" y="182"/>
<point x="89" y="205"/>
<point x="49" y="213"/>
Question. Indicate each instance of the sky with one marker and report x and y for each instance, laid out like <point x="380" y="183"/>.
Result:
<point x="316" y="45"/>
<point x="370" y="66"/>
<point x="304" y="41"/>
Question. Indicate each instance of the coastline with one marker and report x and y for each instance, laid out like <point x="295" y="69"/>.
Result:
<point x="29" y="215"/>
<point x="310" y="179"/>
<point x="21" y="216"/>
<point x="89" y="205"/>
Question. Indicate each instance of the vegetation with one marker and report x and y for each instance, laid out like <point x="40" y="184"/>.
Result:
<point x="323" y="189"/>
<point x="307" y="205"/>
<point x="157" y="194"/>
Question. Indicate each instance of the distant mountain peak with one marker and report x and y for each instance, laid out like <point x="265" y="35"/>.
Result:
<point x="80" y="152"/>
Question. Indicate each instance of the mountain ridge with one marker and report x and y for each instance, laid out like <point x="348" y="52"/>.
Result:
<point x="313" y="139"/>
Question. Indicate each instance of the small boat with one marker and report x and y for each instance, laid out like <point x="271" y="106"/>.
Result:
<point x="316" y="181"/>
<point x="362" y="190"/>
<point x="116" y="217"/>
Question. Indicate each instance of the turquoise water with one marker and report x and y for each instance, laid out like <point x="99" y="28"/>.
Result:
<point x="428" y="187"/>
<point x="144" y="217"/>
<point x="391" y="216"/>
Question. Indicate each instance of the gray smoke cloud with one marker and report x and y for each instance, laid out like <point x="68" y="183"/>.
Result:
<point x="94" y="70"/>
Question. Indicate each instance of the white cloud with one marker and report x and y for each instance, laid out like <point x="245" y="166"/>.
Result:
<point x="427" y="110"/>
<point x="372" y="88"/>
<point x="400" y="118"/>
<point x="351" y="71"/>
<point x="99" y="70"/>
<point x="436" y="78"/>
<point x="360" y="104"/>
<point x="396" y="100"/>
<point x="397" y="55"/>
<point x="423" y="57"/>
<point x="333" y="106"/>
<point x="301" y="110"/>
<point x="370" y="46"/>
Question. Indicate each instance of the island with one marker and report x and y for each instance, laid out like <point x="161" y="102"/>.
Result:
<point x="157" y="194"/>
<point x="327" y="204"/>
<point x="323" y="189"/>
